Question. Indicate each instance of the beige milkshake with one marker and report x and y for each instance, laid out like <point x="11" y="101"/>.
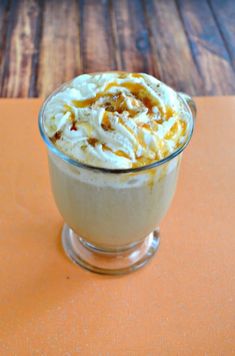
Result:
<point x="111" y="135"/>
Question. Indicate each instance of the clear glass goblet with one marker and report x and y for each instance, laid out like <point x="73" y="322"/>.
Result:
<point x="112" y="215"/>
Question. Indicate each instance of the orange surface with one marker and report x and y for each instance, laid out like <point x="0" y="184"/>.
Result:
<point x="182" y="303"/>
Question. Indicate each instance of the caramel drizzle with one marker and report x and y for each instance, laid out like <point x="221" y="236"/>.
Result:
<point x="136" y="89"/>
<point x="56" y="136"/>
<point x="119" y="153"/>
<point x="73" y="126"/>
<point x="136" y="75"/>
<point x="116" y="103"/>
<point x="93" y="141"/>
<point x="106" y="124"/>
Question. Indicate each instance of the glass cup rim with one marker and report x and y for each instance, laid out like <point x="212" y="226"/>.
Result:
<point x="78" y="164"/>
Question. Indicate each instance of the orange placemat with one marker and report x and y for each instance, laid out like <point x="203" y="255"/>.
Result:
<point x="182" y="303"/>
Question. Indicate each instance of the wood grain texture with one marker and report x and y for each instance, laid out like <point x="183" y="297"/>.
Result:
<point x="171" y="49"/>
<point x="132" y="37"/>
<point x="4" y="10"/>
<point x="60" y="48"/>
<point x="226" y="24"/>
<point x="188" y="44"/>
<point x="97" y="46"/>
<point x="208" y="48"/>
<point x="20" y="49"/>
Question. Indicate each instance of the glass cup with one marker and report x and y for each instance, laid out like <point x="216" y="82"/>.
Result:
<point x="112" y="215"/>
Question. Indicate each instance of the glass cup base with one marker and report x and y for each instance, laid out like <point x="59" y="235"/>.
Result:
<point x="109" y="262"/>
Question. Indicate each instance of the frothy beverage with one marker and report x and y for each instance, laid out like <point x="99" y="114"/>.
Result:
<point x="113" y="180"/>
<point x="112" y="212"/>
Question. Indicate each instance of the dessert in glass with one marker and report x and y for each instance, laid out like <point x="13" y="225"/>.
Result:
<point x="115" y="142"/>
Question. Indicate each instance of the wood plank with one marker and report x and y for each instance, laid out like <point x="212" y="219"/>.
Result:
<point x="131" y="35"/>
<point x="97" y="46"/>
<point x="60" y="51"/>
<point x="208" y="48"/>
<point x="187" y="44"/>
<point x="4" y="10"/>
<point x="171" y="48"/>
<point x="224" y="14"/>
<point x="20" y="51"/>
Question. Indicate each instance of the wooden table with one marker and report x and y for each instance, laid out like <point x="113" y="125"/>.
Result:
<point x="188" y="44"/>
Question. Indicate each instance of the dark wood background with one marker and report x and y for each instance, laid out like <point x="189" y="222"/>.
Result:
<point x="189" y="44"/>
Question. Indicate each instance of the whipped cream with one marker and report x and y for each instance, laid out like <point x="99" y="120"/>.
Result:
<point x="116" y="120"/>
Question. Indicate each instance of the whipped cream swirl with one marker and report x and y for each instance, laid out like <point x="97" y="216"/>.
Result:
<point x="116" y="120"/>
